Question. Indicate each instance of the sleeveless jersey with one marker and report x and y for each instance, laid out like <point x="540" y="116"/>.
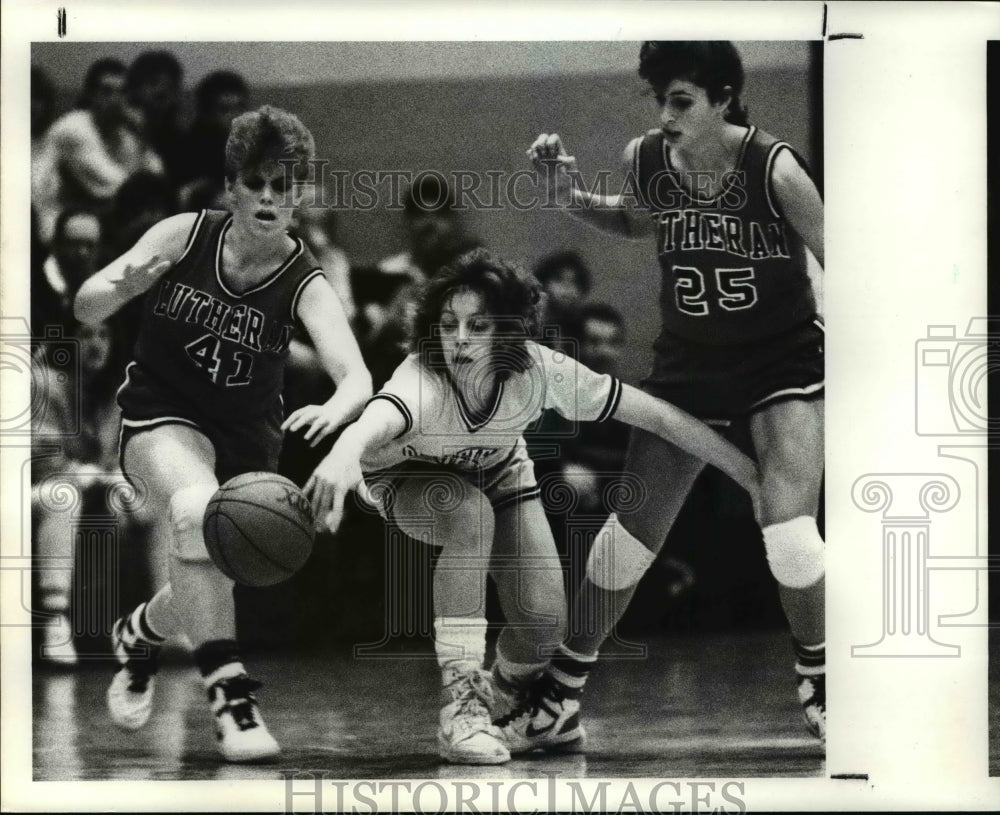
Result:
<point x="221" y="350"/>
<point x="441" y="429"/>
<point x="733" y="269"/>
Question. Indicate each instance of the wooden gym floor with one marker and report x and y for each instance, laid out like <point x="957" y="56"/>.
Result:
<point x="710" y="706"/>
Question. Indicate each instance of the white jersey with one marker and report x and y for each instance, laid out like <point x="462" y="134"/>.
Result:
<point x="441" y="428"/>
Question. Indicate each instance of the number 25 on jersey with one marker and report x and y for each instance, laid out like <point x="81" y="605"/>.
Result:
<point x="698" y="294"/>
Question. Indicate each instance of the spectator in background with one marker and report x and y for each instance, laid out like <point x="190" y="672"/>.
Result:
<point x="602" y="337"/>
<point x="566" y="280"/>
<point x="43" y="105"/>
<point x="433" y="231"/>
<point x="76" y="246"/>
<point x="589" y="456"/>
<point x="596" y="451"/>
<point x="382" y="321"/>
<point x="81" y="418"/>
<point x="153" y="87"/>
<point x="218" y="99"/>
<point x="317" y="226"/>
<point x="43" y="99"/>
<point x="143" y="200"/>
<point x="88" y="153"/>
<point x="435" y="238"/>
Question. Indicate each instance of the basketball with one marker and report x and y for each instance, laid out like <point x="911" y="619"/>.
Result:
<point x="259" y="529"/>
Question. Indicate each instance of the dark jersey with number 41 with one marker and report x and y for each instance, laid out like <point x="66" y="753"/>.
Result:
<point x="218" y="348"/>
<point x="733" y="269"/>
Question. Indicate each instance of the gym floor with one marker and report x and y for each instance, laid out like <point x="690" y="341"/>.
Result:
<point x="708" y="706"/>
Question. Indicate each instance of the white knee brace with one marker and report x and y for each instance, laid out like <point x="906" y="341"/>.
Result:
<point x="617" y="558"/>
<point x="187" y="514"/>
<point x="795" y="552"/>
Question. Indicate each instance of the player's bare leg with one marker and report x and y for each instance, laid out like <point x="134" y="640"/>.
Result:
<point x="528" y="574"/>
<point x="176" y="465"/>
<point x="622" y="552"/>
<point x="464" y="531"/>
<point x="667" y="474"/>
<point x="788" y="438"/>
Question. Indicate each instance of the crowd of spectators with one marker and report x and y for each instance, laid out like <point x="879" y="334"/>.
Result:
<point x="126" y="157"/>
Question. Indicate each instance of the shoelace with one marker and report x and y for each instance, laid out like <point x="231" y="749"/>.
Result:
<point x="544" y="688"/>
<point x="473" y="689"/>
<point x="817" y="687"/>
<point x="142" y="661"/>
<point x="240" y="700"/>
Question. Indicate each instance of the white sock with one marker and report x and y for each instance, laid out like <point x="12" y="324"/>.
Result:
<point x="227" y="671"/>
<point x="460" y="643"/>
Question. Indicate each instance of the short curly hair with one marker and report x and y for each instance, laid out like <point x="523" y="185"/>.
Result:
<point x="269" y="135"/>
<point x="510" y="297"/>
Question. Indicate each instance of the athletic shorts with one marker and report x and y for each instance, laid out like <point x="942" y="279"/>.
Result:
<point x="722" y="383"/>
<point x="242" y="445"/>
<point x="505" y="484"/>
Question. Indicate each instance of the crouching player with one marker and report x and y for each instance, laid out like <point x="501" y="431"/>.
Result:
<point x="458" y="407"/>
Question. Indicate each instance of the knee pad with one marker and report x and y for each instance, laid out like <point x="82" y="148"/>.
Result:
<point x="187" y="514"/>
<point x="795" y="552"/>
<point x="617" y="559"/>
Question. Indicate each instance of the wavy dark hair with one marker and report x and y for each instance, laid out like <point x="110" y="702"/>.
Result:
<point x="709" y="64"/>
<point x="269" y="135"/>
<point x="511" y="299"/>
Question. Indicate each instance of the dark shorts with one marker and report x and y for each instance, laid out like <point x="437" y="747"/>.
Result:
<point x="242" y="444"/>
<point x="722" y="383"/>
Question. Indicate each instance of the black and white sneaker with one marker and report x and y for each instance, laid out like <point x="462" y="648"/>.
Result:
<point x="130" y="697"/>
<point x="241" y="733"/>
<point x="812" y="695"/>
<point x="548" y="719"/>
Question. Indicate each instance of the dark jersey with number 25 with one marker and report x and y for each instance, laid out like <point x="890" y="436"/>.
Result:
<point x="218" y="348"/>
<point x="733" y="269"/>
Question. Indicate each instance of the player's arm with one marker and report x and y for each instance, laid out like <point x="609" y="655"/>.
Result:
<point x="323" y="316"/>
<point x="102" y="294"/>
<point x="340" y="471"/>
<point x="557" y="170"/>
<point x="799" y="201"/>
<point x="691" y="435"/>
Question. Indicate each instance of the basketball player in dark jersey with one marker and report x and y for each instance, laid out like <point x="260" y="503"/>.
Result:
<point x="732" y="210"/>
<point x="201" y="403"/>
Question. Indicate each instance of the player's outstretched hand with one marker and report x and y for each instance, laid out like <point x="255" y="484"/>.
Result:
<point x="137" y="279"/>
<point x="553" y="164"/>
<point x="328" y="486"/>
<point x="319" y="419"/>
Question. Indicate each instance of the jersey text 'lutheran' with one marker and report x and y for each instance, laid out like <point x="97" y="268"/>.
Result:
<point x="220" y="348"/>
<point x="733" y="268"/>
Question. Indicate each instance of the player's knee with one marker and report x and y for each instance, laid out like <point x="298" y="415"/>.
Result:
<point x="617" y="559"/>
<point x="187" y="514"/>
<point x="795" y="552"/>
<point x="790" y="488"/>
<point x="464" y="522"/>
